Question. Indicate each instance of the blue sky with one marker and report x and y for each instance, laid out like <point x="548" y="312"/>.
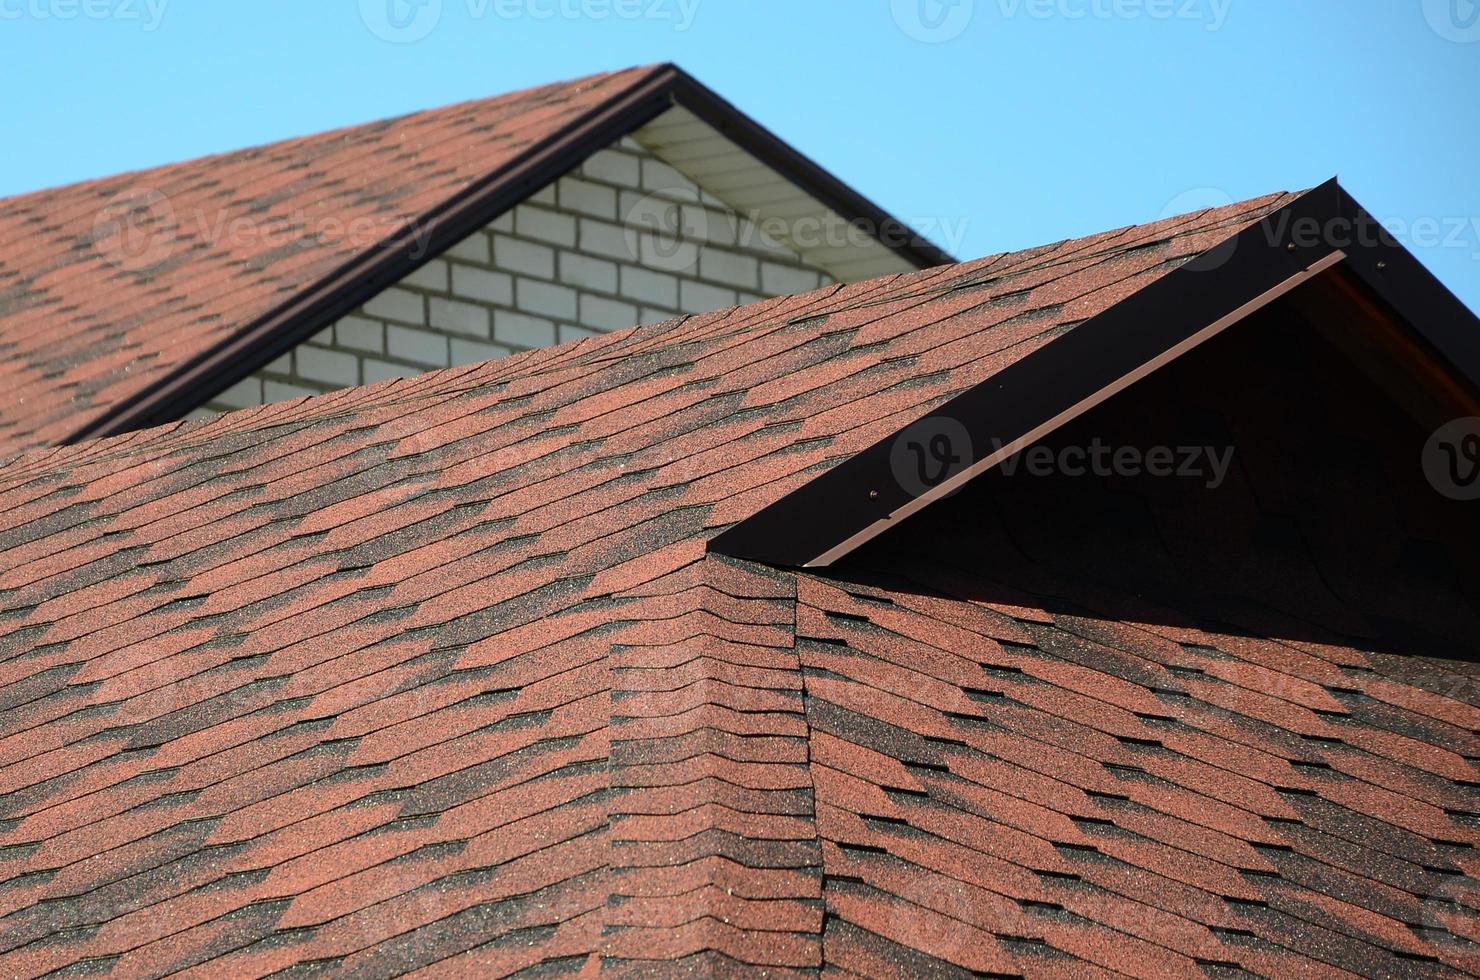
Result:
<point x="1001" y="123"/>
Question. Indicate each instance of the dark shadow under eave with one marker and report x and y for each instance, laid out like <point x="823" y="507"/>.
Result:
<point x="1324" y="527"/>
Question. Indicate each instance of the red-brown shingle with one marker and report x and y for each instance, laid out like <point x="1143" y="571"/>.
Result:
<point x="108" y="285"/>
<point x="436" y="674"/>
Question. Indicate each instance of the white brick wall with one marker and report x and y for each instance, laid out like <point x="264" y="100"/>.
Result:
<point x="593" y="252"/>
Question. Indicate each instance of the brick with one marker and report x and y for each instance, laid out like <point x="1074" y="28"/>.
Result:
<point x="731" y="268"/>
<point x="674" y="218"/>
<point x="592" y="282"/>
<point x="587" y="272"/>
<point x="587" y="198"/>
<point x="521" y="330"/>
<point x="331" y="367"/>
<point x="398" y="304"/>
<point x="758" y="238"/>
<point x="532" y="296"/>
<point x="545" y="226"/>
<point x="720" y="227"/>
<point x="614" y="168"/>
<point x="433" y="275"/>
<point x="659" y="178"/>
<point x="670" y="254"/>
<point x="376" y="371"/>
<point x="360" y="334"/>
<point x="464" y="318"/>
<point x="471" y="352"/>
<point x="419" y="346"/>
<point x="647" y="286"/>
<point x="482" y="284"/>
<point x="524" y="257"/>
<point x="698" y="297"/>
<point x="243" y="394"/>
<point x="602" y="238"/>
<point x="474" y="248"/>
<point x="783" y="280"/>
<point x="607" y="314"/>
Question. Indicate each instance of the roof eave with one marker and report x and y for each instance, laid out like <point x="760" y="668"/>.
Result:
<point x="861" y="497"/>
<point x="195" y="382"/>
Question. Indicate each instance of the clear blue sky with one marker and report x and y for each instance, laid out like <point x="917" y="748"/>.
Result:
<point x="1019" y="121"/>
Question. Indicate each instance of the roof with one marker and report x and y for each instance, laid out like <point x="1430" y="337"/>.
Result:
<point x="134" y="299"/>
<point x="440" y="674"/>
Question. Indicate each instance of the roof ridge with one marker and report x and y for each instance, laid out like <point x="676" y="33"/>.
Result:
<point x="432" y="385"/>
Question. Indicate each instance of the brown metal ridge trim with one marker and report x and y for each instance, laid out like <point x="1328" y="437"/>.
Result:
<point x="866" y="494"/>
<point x="195" y="382"/>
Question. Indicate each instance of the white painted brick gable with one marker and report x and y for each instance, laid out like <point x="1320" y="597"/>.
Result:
<point x="589" y="254"/>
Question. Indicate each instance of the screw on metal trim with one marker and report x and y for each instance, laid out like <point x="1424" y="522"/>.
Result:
<point x="873" y="495"/>
<point x="1290" y="247"/>
<point x="1382" y="266"/>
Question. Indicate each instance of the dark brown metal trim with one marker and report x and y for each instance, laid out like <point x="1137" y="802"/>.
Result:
<point x="802" y="171"/>
<point x="194" y="383"/>
<point x="197" y="381"/>
<point x="865" y="495"/>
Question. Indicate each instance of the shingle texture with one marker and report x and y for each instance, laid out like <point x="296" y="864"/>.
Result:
<point x="435" y="675"/>
<point x="105" y="286"/>
<point x="495" y="293"/>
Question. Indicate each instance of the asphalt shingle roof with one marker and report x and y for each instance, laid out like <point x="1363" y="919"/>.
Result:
<point x="108" y="285"/>
<point x="437" y="675"/>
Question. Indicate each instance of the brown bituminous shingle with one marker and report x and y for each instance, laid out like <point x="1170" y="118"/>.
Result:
<point x="108" y="285"/>
<point x="435" y="675"/>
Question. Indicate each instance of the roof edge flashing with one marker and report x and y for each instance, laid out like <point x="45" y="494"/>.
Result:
<point x="829" y="517"/>
<point x="193" y="383"/>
